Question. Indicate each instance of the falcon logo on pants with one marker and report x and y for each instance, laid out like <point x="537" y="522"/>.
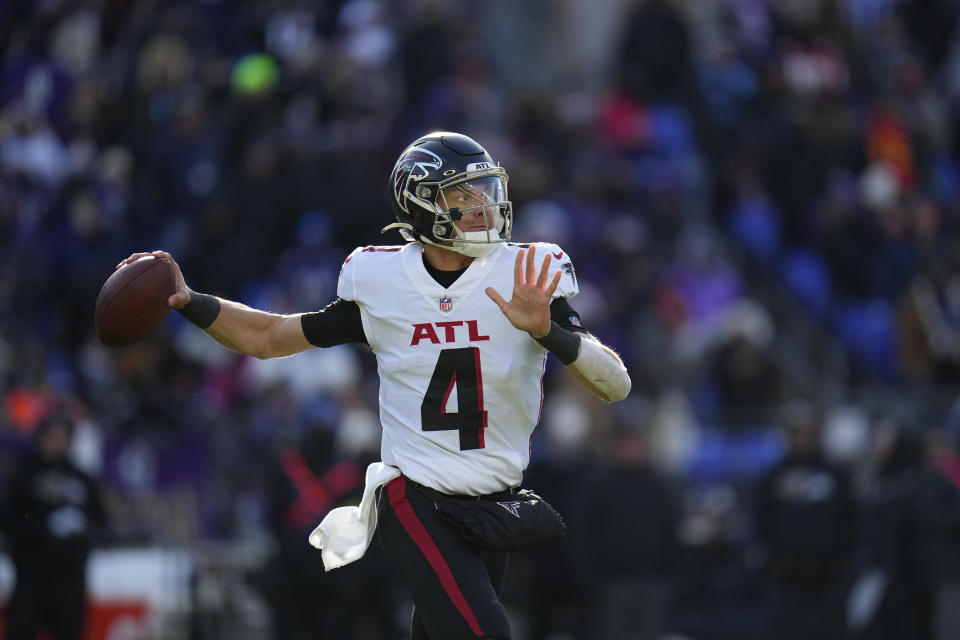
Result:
<point x="513" y="507"/>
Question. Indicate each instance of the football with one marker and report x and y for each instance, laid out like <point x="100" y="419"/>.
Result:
<point x="133" y="301"/>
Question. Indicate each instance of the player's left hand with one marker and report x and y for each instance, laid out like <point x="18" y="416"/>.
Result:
<point x="529" y="308"/>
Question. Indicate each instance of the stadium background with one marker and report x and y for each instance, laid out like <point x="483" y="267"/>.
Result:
<point x="761" y="199"/>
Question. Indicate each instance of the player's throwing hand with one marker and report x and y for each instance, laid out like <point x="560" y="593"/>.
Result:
<point x="181" y="296"/>
<point x="529" y="308"/>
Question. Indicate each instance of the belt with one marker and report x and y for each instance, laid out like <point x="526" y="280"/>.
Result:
<point x="433" y="493"/>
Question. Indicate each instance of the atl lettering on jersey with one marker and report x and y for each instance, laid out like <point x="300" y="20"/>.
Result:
<point x="426" y="331"/>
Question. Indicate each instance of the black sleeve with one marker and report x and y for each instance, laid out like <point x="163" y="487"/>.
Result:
<point x="565" y="334"/>
<point x="337" y="323"/>
<point x="564" y="315"/>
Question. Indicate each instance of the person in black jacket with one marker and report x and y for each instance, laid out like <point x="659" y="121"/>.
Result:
<point x="889" y="541"/>
<point x="51" y="512"/>
<point x="807" y="519"/>
<point x="631" y="550"/>
<point x="935" y="516"/>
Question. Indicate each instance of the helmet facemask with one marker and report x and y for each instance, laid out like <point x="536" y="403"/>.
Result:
<point x="478" y="201"/>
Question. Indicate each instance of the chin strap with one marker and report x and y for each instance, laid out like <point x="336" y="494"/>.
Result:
<point x="465" y="247"/>
<point x="402" y="226"/>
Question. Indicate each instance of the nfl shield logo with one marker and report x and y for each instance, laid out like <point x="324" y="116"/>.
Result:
<point x="446" y="304"/>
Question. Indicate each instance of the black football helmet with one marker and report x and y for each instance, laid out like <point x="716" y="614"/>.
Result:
<point x="439" y="179"/>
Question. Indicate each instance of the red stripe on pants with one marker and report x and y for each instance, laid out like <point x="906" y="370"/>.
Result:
<point x="411" y="523"/>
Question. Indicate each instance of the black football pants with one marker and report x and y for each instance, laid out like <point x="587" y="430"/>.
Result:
<point x="456" y="589"/>
<point x="41" y="599"/>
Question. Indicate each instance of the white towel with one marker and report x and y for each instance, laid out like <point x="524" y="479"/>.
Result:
<point x="345" y="533"/>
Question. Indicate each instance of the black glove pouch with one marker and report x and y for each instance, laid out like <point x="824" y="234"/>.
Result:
<point x="500" y="522"/>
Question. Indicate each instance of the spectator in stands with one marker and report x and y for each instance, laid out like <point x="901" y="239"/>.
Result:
<point x="898" y="609"/>
<point x="554" y="602"/>
<point x="929" y="322"/>
<point x="51" y="516"/>
<point x="936" y="547"/>
<point x="628" y="560"/>
<point x="806" y="519"/>
<point x="749" y="382"/>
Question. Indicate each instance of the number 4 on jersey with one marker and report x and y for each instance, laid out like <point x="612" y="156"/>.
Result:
<point x="460" y="368"/>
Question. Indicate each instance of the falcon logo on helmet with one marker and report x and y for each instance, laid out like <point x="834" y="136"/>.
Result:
<point x="414" y="165"/>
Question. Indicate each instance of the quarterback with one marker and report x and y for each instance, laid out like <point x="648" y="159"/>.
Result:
<point x="460" y="368"/>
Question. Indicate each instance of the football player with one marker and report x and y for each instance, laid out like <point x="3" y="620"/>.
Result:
<point x="460" y="366"/>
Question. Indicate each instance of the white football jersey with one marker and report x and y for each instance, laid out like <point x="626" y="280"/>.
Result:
<point x="460" y="387"/>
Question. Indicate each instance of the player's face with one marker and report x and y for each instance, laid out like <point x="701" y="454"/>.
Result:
<point x="476" y="200"/>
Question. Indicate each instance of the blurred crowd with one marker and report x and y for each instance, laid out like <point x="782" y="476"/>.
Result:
<point x="761" y="197"/>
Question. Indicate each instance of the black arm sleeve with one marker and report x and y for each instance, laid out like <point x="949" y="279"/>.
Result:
<point x="337" y="323"/>
<point x="563" y="340"/>
<point x="563" y="314"/>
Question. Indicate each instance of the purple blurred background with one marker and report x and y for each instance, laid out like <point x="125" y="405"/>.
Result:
<point x="761" y="197"/>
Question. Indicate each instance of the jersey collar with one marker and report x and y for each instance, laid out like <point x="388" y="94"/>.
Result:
<point x="462" y="287"/>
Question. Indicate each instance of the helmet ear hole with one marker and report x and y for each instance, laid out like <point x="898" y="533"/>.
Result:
<point x="439" y="230"/>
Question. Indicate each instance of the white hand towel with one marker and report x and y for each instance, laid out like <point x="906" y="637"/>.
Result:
<point x="345" y="533"/>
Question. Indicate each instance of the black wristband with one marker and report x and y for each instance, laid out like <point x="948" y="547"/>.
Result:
<point x="561" y="343"/>
<point x="202" y="309"/>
